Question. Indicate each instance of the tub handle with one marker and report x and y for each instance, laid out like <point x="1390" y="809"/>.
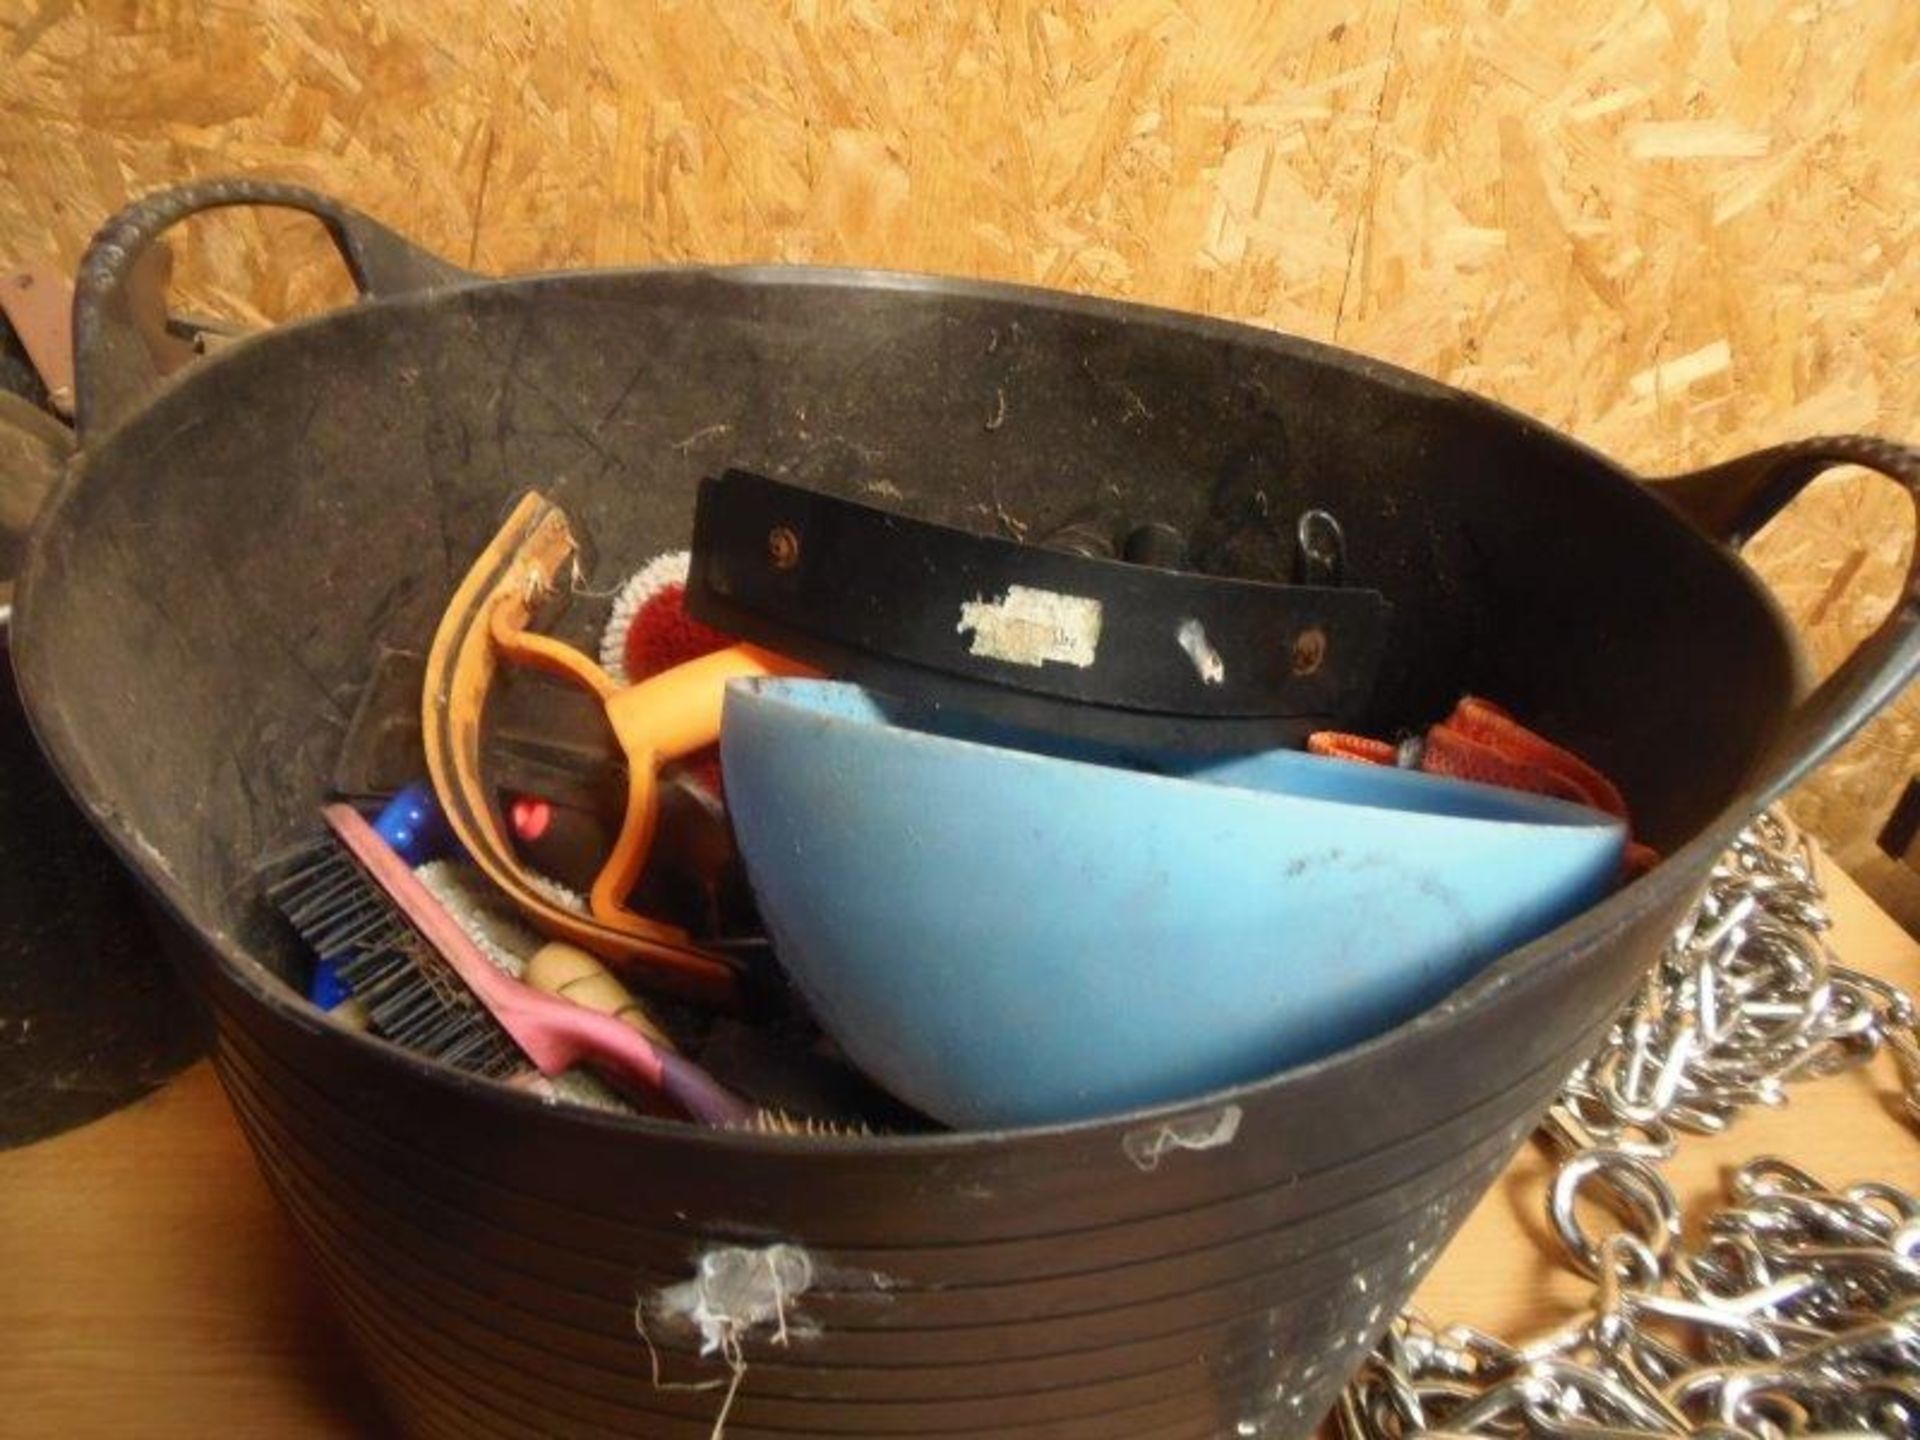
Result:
<point x="1732" y="500"/>
<point x="114" y="368"/>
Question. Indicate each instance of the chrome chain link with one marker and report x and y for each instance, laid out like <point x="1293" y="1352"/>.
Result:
<point x="1797" y="1311"/>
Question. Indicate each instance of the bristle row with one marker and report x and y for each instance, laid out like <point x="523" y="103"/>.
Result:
<point x="770" y="1121"/>
<point x="412" y="996"/>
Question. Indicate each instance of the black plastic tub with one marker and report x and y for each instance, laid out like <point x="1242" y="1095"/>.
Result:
<point x="207" y="592"/>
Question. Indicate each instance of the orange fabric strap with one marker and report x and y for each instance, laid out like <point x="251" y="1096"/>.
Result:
<point x="1481" y="742"/>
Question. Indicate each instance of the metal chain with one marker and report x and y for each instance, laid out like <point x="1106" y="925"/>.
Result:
<point x="1798" y="1311"/>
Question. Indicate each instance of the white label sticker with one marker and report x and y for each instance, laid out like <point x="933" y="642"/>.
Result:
<point x="1033" y="627"/>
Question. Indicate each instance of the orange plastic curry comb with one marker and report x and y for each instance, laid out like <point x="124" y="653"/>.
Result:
<point x="490" y="623"/>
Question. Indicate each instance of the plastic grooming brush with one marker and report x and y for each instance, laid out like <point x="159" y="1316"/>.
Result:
<point x="562" y="842"/>
<point x="489" y="625"/>
<point x="649" y="632"/>
<point x="499" y="933"/>
<point x="692" y="873"/>
<point x="411" y="823"/>
<point x="494" y="926"/>
<point x="570" y="973"/>
<point x="561" y="969"/>
<point x="558" y="968"/>
<point x="427" y="986"/>
<point x="576" y="1087"/>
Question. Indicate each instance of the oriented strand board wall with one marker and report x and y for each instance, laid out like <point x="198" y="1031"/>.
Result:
<point x="1676" y="228"/>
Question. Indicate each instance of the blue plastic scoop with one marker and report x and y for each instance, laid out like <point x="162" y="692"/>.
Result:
<point x="1006" y="936"/>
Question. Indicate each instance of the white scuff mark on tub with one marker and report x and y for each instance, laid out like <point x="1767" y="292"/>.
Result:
<point x="152" y="851"/>
<point x="1032" y="627"/>
<point x="1207" y="1130"/>
<point x="1207" y="663"/>
<point x="703" y="434"/>
<point x="735" y="1294"/>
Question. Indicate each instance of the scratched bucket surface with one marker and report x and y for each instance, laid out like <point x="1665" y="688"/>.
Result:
<point x="205" y="597"/>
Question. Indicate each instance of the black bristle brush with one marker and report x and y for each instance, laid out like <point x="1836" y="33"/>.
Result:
<point x="426" y="985"/>
<point x="406" y="995"/>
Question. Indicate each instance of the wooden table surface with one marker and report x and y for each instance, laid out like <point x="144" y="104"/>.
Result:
<point x="149" y="1287"/>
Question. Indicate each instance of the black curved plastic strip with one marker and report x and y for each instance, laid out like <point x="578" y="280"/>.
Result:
<point x="1030" y="635"/>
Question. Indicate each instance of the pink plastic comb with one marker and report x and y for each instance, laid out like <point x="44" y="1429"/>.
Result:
<point x="555" y="1034"/>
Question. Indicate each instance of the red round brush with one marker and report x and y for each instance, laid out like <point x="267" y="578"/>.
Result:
<point x="649" y="631"/>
